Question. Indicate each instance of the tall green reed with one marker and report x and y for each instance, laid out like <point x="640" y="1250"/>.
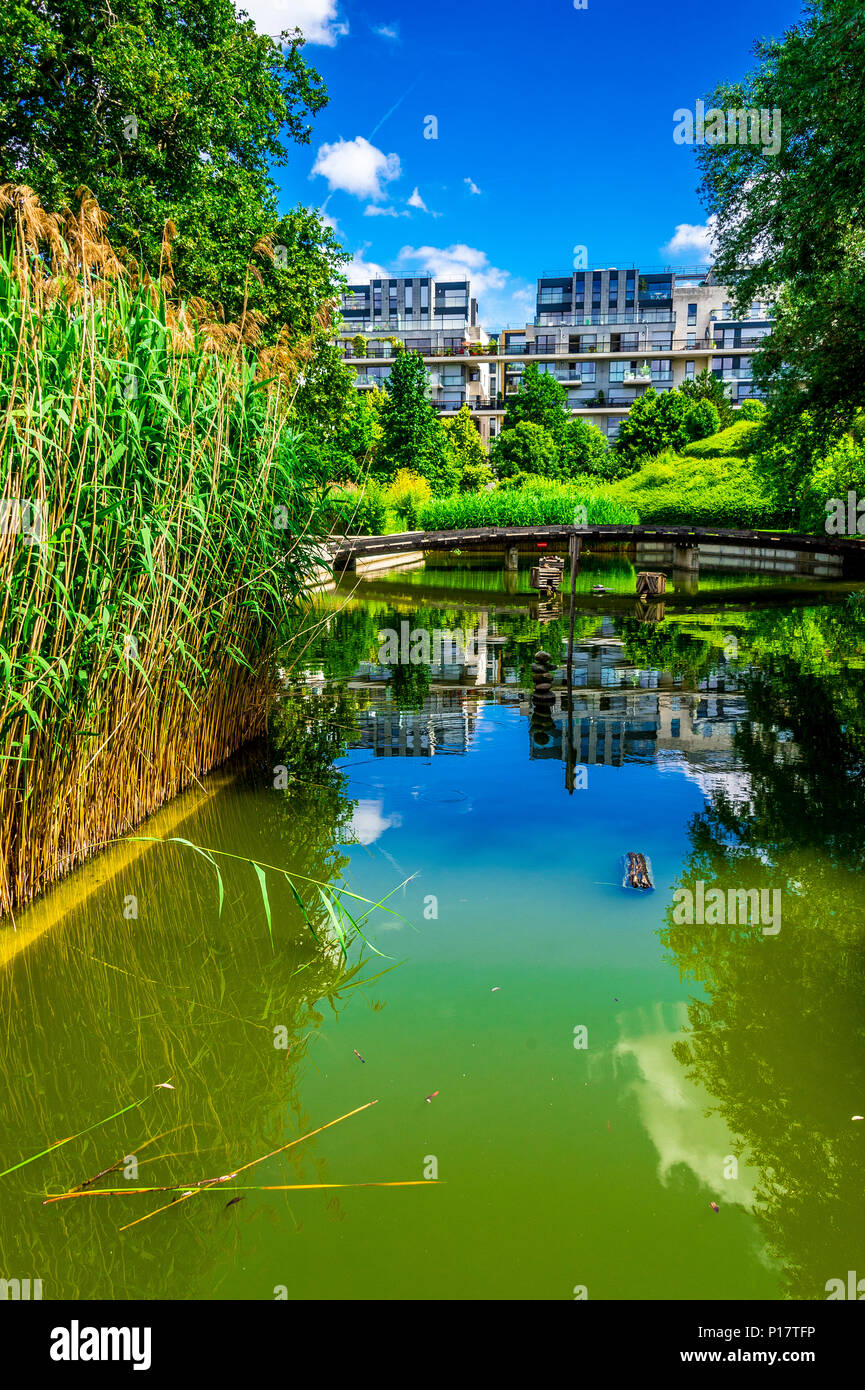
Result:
<point x="156" y="529"/>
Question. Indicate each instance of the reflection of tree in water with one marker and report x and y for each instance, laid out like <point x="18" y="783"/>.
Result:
<point x="184" y="991"/>
<point x="665" y="647"/>
<point x="779" y="1039"/>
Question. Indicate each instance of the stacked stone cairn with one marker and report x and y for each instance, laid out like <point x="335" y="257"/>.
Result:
<point x="543" y="725"/>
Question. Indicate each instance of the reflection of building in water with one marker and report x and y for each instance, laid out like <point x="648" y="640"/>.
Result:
<point x="445" y="724"/>
<point x="621" y="712"/>
<point x="643" y="724"/>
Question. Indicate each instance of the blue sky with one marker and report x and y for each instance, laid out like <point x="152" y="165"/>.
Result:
<point x="554" y="130"/>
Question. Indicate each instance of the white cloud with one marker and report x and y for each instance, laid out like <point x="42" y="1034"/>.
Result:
<point x="416" y="201"/>
<point x="457" y="262"/>
<point x="471" y="185"/>
<point x="317" y="20"/>
<point x="368" y="823"/>
<point x="357" y="167"/>
<point x="372" y="211"/>
<point x="691" y="240"/>
<point x="361" y="270"/>
<point x="386" y="31"/>
<point x="328" y="221"/>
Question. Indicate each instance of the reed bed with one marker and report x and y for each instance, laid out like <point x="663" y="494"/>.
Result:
<point x="154" y="530"/>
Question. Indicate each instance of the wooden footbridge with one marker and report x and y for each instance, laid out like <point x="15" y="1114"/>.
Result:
<point x="686" y="542"/>
<point x="676" y="546"/>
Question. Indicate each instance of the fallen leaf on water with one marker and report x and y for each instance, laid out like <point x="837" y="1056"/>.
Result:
<point x="357" y="1054"/>
<point x="232" y="1202"/>
<point x="714" y="1206"/>
<point x="164" y="1086"/>
<point x="857" y="1117"/>
<point x="429" y="1098"/>
<point x="494" y="988"/>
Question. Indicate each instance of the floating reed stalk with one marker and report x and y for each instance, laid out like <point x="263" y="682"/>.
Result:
<point x="154" y="527"/>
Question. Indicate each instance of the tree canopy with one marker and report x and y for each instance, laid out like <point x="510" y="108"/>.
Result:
<point x="789" y="225"/>
<point x="170" y="113"/>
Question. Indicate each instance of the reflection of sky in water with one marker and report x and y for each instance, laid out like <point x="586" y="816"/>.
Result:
<point x="673" y="1108"/>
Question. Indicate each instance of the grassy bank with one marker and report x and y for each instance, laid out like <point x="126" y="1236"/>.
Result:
<point x="707" y="490"/>
<point x="155" y="528"/>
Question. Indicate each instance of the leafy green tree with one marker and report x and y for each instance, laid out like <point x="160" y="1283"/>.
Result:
<point x="707" y="387"/>
<point x="789" y="220"/>
<point x="701" y="420"/>
<point x="655" y="423"/>
<point x="585" y="450"/>
<point x="413" y="437"/>
<point x="752" y="409"/>
<point x="327" y="394"/>
<point x="470" y="453"/>
<point x="541" y="401"/>
<point x="526" y="448"/>
<point x="170" y="114"/>
<point x="840" y="471"/>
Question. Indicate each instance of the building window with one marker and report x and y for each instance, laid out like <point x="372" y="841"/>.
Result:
<point x="692" y="314"/>
<point x="546" y="342"/>
<point x="424" y="296"/>
<point x="691" y="340"/>
<point x="409" y="298"/>
<point x="587" y="371"/>
<point x="689" y="371"/>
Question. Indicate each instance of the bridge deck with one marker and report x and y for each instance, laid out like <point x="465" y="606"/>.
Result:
<point x="348" y="548"/>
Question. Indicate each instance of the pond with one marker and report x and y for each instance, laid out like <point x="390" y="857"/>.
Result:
<point x="570" y="1074"/>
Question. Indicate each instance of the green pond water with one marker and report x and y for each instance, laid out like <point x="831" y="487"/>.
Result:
<point x="598" y="1073"/>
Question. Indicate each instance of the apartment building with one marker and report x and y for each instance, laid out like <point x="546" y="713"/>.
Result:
<point x="605" y="334"/>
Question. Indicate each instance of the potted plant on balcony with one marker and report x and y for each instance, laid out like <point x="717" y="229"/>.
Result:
<point x="359" y="345"/>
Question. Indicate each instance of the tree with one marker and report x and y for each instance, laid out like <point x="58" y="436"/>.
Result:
<point x="541" y="400"/>
<point x="789" y="216"/>
<point x="585" y="450"/>
<point x="466" y="444"/>
<point x="701" y="420"/>
<point x="655" y="423"/>
<point x="526" y="448"/>
<point x="707" y="387"/>
<point x="413" y="437"/>
<point x="169" y="114"/>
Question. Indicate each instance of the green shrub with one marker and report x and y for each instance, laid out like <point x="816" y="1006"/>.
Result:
<point x="406" y="494"/>
<point x="738" y="439"/>
<point x="751" y="409"/>
<point x="654" y="423"/>
<point x="356" y="512"/>
<point x="674" y="490"/>
<point x="531" y="505"/>
<point x="525" y="448"/>
<point x="701" y="420"/>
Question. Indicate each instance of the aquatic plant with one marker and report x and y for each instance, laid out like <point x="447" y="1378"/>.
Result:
<point x="154" y="528"/>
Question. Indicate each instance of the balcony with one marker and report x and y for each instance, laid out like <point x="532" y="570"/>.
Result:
<point x="597" y="316"/>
